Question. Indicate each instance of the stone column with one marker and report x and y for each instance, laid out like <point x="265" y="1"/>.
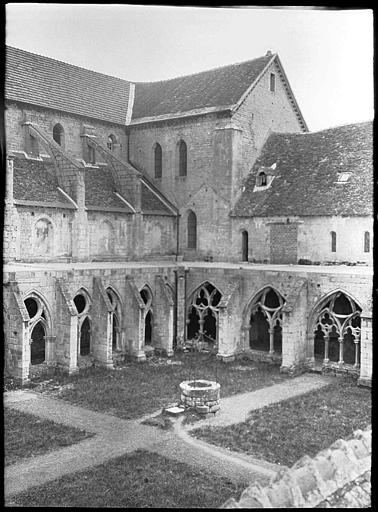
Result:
<point x="271" y="341"/>
<point x="366" y="365"/>
<point x="356" y="352"/>
<point x="24" y="362"/>
<point x="326" y="349"/>
<point x="50" y="349"/>
<point x="80" y="240"/>
<point x="181" y="305"/>
<point x="341" y="350"/>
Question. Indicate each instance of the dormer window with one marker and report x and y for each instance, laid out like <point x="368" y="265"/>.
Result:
<point x="112" y="141"/>
<point x="58" y="134"/>
<point x="272" y="82"/>
<point x="262" y="180"/>
<point x="343" y="177"/>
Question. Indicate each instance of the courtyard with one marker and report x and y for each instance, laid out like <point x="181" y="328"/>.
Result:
<point x="100" y="450"/>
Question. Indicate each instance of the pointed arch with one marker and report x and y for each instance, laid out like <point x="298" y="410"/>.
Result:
<point x="182" y="158"/>
<point x="58" y="134"/>
<point x="202" y="313"/>
<point x="85" y="336"/>
<point x="191" y="230"/>
<point x="43" y="311"/>
<point x="158" y="160"/>
<point x="82" y="301"/>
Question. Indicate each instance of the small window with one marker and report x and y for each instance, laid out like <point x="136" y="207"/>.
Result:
<point x="333" y="241"/>
<point x="262" y="180"/>
<point x="367" y="241"/>
<point x="192" y="230"/>
<point x="158" y="161"/>
<point x="112" y="141"/>
<point x="58" y="134"/>
<point x="343" y="177"/>
<point x="182" y="158"/>
<point x="272" y="82"/>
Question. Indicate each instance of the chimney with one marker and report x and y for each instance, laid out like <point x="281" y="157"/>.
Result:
<point x="268" y="53"/>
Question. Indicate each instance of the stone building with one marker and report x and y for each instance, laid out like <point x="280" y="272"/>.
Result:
<point x="140" y="216"/>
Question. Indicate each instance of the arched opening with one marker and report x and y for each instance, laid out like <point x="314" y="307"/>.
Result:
<point x="158" y="161"/>
<point x="265" y="322"/>
<point x="333" y="241"/>
<point x="244" y="245"/>
<point x="148" y="329"/>
<point x="183" y="157"/>
<point x="202" y="314"/>
<point x="337" y="331"/>
<point x="192" y="230"/>
<point x="115" y="333"/>
<point x="80" y="302"/>
<point x="58" y="134"/>
<point x="262" y="179"/>
<point x="85" y="337"/>
<point x="31" y="306"/>
<point x="37" y="347"/>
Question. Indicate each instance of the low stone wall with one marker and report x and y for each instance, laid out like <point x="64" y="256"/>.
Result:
<point x="201" y="395"/>
<point x="338" y="477"/>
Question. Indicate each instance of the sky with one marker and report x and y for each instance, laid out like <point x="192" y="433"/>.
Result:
<point x="327" y="54"/>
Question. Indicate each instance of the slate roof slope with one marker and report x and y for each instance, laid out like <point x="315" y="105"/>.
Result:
<point x="307" y="167"/>
<point x="50" y="83"/>
<point x="100" y="190"/>
<point x="220" y="87"/>
<point x="36" y="181"/>
<point x="151" y="202"/>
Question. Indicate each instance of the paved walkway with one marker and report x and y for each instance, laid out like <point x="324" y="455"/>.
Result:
<point x="115" y="437"/>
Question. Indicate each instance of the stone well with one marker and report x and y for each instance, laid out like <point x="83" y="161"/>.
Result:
<point x="201" y="395"/>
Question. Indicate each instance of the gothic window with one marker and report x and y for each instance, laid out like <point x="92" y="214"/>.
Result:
<point x="272" y="82"/>
<point x="38" y="326"/>
<point x="146" y="295"/>
<point x="58" y="134"/>
<point x="116" y="317"/>
<point x="85" y="337"/>
<point x="333" y="241"/>
<point x="266" y="321"/>
<point x="111" y="143"/>
<point x="82" y="303"/>
<point x="202" y="314"/>
<point x="192" y="230"/>
<point x="337" y="331"/>
<point x="366" y="241"/>
<point x="182" y="158"/>
<point x="158" y="161"/>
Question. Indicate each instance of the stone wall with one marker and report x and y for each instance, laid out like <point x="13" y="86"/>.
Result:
<point x="46" y="119"/>
<point x="313" y="239"/>
<point x="338" y="477"/>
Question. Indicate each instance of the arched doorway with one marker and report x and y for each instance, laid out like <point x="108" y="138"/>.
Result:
<point x="85" y="337"/>
<point x="337" y="331"/>
<point x="38" y="346"/>
<point x="202" y="314"/>
<point x="265" y="322"/>
<point x="148" y="329"/>
<point x="244" y="245"/>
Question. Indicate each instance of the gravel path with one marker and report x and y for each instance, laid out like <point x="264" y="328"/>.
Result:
<point x="115" y="437"/>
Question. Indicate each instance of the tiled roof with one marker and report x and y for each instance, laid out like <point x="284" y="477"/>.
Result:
<point x="221" y="87"/>
<point x="151" y="202"/>
<point x="306" y="174"/>
<point x="49" y="83"/>
<point x="100" y="190"/>
<point x="36" y="181"/>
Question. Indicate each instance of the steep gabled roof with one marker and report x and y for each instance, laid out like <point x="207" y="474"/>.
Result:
<point x="50" y="83"/>
<point x="306" y="174"/>
<point x="218" y="88"/>
<point x="100" y="190"/>
<point x="36" y="181"/>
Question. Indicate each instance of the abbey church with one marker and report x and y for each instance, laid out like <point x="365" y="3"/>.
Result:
<point x="198" y="211"/>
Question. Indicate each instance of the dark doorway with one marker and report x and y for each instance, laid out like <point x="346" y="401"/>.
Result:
<point x="277" y="338"/>
<point x="319" y="345"/>
<point x="259" y="331"/>
<point x="244" y="245"/>
<point x="193" y="325"/>
<point x="210" y="325"/>
<point x="148" y="329"/>
<point x="114" y="333"/>
<point x="85" y="338"/>
<point x="37" y="348"/>
<point x="349" y="348"/>
<point x="333" y="347"/>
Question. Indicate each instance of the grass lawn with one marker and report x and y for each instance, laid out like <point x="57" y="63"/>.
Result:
<point x="140" y="479"/>
<point x="282" y="433"/>
<point x="135" y="389"/>
<point x="26" y="435"/>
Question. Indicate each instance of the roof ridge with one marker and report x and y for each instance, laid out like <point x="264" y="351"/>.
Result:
<point x="68" y="64"/>
<point x="206" y="70"/>
<point x="359" y="123"/>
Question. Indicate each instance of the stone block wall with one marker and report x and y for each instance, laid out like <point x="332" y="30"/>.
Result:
<point x="46" y="119"/>
<point x="338" y="477"/>
<point x="313" y="241"/>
